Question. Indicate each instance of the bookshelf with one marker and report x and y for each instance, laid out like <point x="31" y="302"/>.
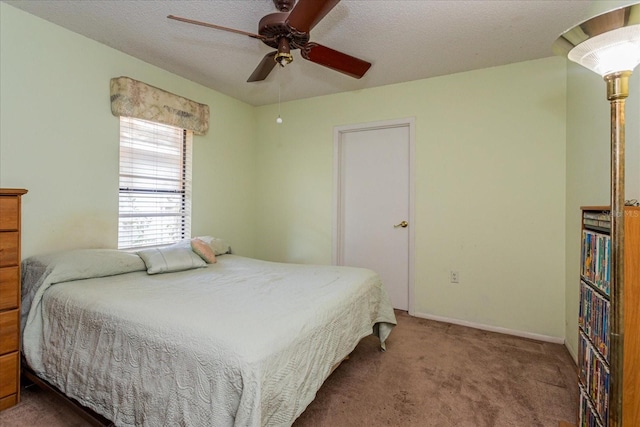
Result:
<point x="594" y="350"/>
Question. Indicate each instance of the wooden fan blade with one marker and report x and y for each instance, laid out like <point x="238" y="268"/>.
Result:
<point x="307" y="13"/>
<point x="217" y="27"/>
<point x="335" y="60"/>
<point x="264" y="68"/>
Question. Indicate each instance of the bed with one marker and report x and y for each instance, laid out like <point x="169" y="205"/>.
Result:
<point x="240" y="342"/>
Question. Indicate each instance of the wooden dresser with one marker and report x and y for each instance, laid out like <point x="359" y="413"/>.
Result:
<point x="10" y="200"/>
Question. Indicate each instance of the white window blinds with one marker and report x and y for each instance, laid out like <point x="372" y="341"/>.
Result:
<point x="155" y="184"/>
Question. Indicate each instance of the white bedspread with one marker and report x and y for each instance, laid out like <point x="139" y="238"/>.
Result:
<point x="239" y="343"/>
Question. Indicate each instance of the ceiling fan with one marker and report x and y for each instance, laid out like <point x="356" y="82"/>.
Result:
<point x="289" y="29"/>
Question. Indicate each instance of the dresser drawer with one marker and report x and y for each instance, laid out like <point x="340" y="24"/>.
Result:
<point x="9" y="286"/>
<point x="9" y="374"/>
<point x="9" y="213"/>
<point x="9" y="329"/>
<point x="9" y="244"/>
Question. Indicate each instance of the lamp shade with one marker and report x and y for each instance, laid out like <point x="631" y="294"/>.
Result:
<point x="605" y="44"/>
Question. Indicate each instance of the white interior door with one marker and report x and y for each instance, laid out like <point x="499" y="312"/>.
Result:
<point x="373" y="188"/>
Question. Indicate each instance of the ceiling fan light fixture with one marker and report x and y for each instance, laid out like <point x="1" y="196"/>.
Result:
<point x="283" y="58"/>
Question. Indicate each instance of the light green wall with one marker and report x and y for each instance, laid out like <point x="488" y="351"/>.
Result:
<point x="60" y="141"/>
<point x="490" y="180"/>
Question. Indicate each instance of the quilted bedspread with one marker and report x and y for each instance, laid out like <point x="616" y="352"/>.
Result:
<point x="241" y="342"/>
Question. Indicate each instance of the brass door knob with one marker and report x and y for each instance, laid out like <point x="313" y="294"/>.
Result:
<point x="403" y="224"/>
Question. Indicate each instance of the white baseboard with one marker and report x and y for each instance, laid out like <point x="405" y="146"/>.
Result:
<point x="530" y="335"/>
<point x="570" y="350"/>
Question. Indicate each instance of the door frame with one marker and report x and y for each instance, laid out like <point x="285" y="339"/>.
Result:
<point x="337" y="235"/>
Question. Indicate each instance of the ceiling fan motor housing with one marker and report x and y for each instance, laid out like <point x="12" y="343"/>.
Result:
<point x="273" y="27"/>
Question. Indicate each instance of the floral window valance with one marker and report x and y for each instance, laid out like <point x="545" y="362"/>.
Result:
<point x="132" y="98"/>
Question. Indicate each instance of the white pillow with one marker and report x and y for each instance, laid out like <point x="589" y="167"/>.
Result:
<point x="219" y="246"/>
<point x="170" y="258"/>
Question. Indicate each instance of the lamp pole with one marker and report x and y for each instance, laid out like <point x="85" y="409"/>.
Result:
<point x="617" y="92"/>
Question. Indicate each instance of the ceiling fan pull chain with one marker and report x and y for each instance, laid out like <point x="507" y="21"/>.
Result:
<point x="279" y="119"/>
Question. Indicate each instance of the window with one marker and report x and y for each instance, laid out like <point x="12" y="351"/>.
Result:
<point x="155" y="184"/>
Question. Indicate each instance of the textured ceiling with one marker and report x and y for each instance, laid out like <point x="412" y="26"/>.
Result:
<point x="404" y="40"/>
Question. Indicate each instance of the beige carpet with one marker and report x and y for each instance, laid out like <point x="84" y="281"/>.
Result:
<point x="432" y="374"/>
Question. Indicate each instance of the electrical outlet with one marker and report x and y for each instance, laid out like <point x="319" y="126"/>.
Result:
<point x="454" y="277"/>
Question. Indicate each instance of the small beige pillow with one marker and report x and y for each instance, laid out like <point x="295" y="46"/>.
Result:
<point x="204" y="250"/>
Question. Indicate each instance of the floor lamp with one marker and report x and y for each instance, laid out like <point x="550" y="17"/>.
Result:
<point x="609" y="44"/>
